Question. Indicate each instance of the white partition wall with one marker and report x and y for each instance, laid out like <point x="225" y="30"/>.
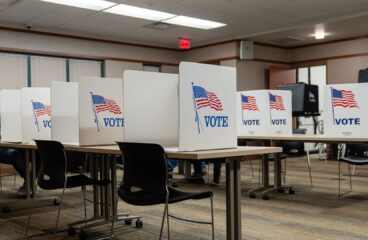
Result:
<point x="36" y="114"/>
<point x="264" y="112"/>
<point x="151" y="108"/>
<point x="207" y="110"/>
<point x="11" y="116"/>
<point x="346" y="110"/>
<point x="100" y="111"/>
<point x="65" y="112"/>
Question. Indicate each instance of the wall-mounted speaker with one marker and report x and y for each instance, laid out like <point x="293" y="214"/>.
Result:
<point x="246" y="50"/>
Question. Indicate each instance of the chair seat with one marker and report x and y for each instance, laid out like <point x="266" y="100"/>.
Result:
<point x="83" y="180"/>
<point x="141" y="198"/>
<point x="176" y="195"/>
<point x="355" y="160"/>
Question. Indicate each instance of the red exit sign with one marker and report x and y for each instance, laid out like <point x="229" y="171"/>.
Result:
<point x="184" y="43"/>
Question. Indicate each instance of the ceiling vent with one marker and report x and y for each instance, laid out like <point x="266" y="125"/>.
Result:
<point x="8" y="2"/>
<point x="160" y="26"/>
<point x="287" y="40"/>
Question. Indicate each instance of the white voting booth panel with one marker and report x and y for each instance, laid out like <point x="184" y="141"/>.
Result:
<point x="151" y="108"/>
<point x="346" y="110"/>
<point x="36" y="114"/>
<point x="264" y="112"/>
<point x="101" y="119"/>
<point x="11" y="116"/>
<point x="207" y="109"/>
<point x="65" y="112"/>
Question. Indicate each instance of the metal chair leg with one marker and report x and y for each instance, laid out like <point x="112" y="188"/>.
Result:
<point x="59" y="210"/>
<point x="353" y="171"/>
<point x="30" y="217"/>
<point x="339" y="177"/>
<point x="259" y="171"/>
<point x="212" y="220"/>
<point x="284" y="176"/>
<point x="168" y="223"/>
<point x="309" y="169"/>
<point x="85" y="204"/>
<point x="114" y="201"/>
<point x="163" y="220"/>
<point x="251" y="168"/>
<point x="351" y="185"/>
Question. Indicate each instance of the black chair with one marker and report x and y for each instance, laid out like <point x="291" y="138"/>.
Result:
<point x="292" y="149"/>
<point x="145" y="181"/>
<point x="53" y="175"/>
<point x="356" y="155"/>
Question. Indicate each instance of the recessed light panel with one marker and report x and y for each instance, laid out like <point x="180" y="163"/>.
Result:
<point x="138" y="12"/>
<point x="194" y="22"/>
<point x="97" y="5"/>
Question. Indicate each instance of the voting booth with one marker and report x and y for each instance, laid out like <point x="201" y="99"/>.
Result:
<point x="88" y="113"/>
<point x="264" y="112"/>
<point x="36" y="114"/>
<point x="207" y="107"/>
<point x="11" y="116"/>
<point x="346" y="110"/>
<point x="65" y="112"/>
<point x="151" y="107"/>
<point x="100" y="111"/>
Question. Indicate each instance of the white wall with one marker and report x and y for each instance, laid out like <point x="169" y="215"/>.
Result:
<point x="252" y="75"/>
<point x="83" y="68"/>
<point x="78" y="47"/>
<point x="45" y="70"/>
<point x="170" y="69"/>
<point x="343" y="59"/>
<point x="13" y="71"/>
<point x="115" y="69"/>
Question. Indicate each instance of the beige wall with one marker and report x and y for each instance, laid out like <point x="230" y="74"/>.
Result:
<point x="115" y="69"/>
<point x="329" y="50"/>
<point x="271" y="53"/>
<point x="64" y="45"/>
<point x="86" y="48"/>
<point x="169" y="69"/>
<point x="345" y="70"/>
<point x="211" y="53"/>
<point x="345" y="63"/>
<point x="252" y="75"/>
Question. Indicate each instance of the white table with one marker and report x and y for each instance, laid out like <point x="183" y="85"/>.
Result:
<point x="275" y="141"/>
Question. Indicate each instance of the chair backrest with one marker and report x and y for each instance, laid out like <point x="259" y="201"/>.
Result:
<point x="77" y="162"/>
<point x="357" y="149"/>
<point x="290" y="147"/>
<point x="145" y="167"/>
<point x="53" y="164"/>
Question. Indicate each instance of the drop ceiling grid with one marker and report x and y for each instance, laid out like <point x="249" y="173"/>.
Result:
<point x="244" y="18"/>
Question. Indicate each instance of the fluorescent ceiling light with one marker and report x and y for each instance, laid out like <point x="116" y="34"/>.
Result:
<point x="97" y="5"/>
<point x="194" y="22"/>
<point x="138" y="12"/>
<point x="319" y="35"/>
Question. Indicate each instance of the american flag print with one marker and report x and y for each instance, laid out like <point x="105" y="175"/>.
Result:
<point x="102" y="104"/>
<point x="204" y="98"/>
